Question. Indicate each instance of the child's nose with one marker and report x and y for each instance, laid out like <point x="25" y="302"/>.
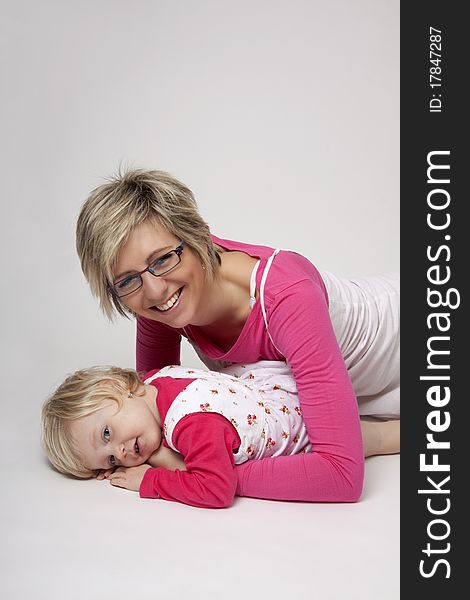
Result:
<point x="121" y="451"/>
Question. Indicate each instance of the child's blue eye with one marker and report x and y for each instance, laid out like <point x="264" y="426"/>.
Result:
<point x="106" y="434"/>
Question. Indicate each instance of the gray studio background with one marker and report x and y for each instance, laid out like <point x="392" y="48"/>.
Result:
<point x="283" y="117"/>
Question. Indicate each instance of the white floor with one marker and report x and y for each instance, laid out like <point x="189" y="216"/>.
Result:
<point x="63" y="538"/>
<point x="72" y="539"/>
<point x="284" y="119"/>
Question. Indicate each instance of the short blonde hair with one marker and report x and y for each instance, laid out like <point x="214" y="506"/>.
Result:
<point x="115" y="208"/>
<point x="81" y="394"/>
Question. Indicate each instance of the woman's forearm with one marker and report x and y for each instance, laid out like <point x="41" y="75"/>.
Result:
<point x="380" y="437"/>
<point x="310" y="477"/>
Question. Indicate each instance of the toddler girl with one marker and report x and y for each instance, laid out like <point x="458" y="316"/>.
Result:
<point x="108" y="422"/>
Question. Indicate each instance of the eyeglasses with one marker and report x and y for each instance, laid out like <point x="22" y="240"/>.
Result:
<point x="160" y="266"/>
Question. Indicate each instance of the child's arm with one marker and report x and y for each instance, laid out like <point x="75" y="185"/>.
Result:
<point x="207" y="442"/>
<point x="167" y="458"/>
<point x="163" y="457"/>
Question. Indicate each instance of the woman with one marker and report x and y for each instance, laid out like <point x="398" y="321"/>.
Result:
<point x="146" y="251"/>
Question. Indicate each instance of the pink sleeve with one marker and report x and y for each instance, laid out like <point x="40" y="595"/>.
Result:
<point x="156" y="345"/>
<point x="301" y="329"/>
<point x="207" y="442"/>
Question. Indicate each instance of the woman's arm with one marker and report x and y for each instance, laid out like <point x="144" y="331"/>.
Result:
<point x="380" y="437"/>
<point x="156" y="345"/>
<point x="301" y="329"/>
<point x="207" y="442"/>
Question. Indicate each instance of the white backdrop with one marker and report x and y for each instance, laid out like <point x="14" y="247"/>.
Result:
<point x="282" y="116"/>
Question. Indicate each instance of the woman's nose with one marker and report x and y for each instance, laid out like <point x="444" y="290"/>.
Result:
<point x="155" y="289"/>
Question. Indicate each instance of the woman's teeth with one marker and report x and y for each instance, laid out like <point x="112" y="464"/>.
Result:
<point x="169" y="303"/>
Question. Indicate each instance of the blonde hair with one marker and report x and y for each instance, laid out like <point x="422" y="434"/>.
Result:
<point x="115" y="208"/>
<point x="81" y="394"/>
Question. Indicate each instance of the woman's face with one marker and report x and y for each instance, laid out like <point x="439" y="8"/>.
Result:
<point x="173" y="299"/>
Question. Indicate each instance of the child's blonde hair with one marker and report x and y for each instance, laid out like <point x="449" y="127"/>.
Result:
<point x="81" y="394"/>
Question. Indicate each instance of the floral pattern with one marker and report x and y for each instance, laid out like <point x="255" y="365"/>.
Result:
<point x="270" y="443"/>
<point x="266" y="415"/>
<point x="251" y="419"/>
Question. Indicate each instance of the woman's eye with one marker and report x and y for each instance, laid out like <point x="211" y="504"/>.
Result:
<point x="161" y="261"/>
<point x="125" y="283"/>
<point x="106" y="434"/>
<point x="112" y="461"/>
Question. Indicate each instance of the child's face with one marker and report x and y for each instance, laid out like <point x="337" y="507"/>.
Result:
<point x="110" y="437"/>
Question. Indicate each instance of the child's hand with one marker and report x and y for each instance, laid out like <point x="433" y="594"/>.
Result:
<point x="103" y="474"/>
<point x="128" y="477"/>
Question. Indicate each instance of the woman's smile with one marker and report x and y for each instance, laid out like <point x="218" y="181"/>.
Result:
<point x="174" y="298"/>
<point x="171" y="304"/>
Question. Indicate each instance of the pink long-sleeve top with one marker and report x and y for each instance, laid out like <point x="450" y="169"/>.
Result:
<point x="300" y="332"/>
<point x="207" y="442"/>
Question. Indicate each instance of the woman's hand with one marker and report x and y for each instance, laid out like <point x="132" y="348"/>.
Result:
<point x="129" y="478"/>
